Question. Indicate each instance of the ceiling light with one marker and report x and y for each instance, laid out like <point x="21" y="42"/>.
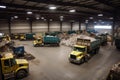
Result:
<point x="42" y="17"/>
<point x="37" y="18"/>
<point x="86" y="22"/>
<point x="2" y="6"/>
<point x="100" y="14"/>
<point x="51" y="20"/>
<point x="61" y="16"/>
<point x="95" y="22"/>
<point x="29" y="12"/>
<point x="111" y="18"/>
<point x="90" y="17"/>
<point x="73" y="10"/>
<point x="15" y="16"/>
<point x="52" y="7"/>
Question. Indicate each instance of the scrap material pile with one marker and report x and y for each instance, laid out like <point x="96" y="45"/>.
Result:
<point x="73" y="39"/>
<point x="114" y="72"/>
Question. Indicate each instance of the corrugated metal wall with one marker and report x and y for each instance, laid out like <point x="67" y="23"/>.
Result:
<point x="83" y="26"/>
<point x="21" y="26"/>
<point x="66" y="26"/>
<point x="4" y="26"/>
<point x="55" y="26"/>
<point x="75" y="26"/>
<point x="40" y="26"/>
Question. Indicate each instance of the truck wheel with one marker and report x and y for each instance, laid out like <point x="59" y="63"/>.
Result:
<point x="21" y="74"/>
<point x="82" y="60"/>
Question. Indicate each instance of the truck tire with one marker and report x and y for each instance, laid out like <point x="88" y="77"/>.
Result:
<point x="21" y="74"/>
<point x="82" y="60"/>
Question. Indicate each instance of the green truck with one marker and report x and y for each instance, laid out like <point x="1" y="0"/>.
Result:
<point x="83" y="50"/>
<point x="47" y="40"/>
<point x="117" y="43"/>
<point x="102" y="38"/>
<point x="28" y="36"/>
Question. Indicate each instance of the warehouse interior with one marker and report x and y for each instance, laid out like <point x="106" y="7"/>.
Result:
<point x="59" y="40"/>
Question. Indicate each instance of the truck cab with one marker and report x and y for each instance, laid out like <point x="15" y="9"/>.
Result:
<point x="38" y="42"/>
<point x="83" y="50"/>
<point x="11" y="67"/>
<point x="79" y="54"/>
<point x="22" y="37"/>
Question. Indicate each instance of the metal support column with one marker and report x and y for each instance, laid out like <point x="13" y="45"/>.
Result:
<point x="61" y="25"/>
<point x="48" y="22"/>
<point x="9" y="26"/>
<point x="113" y="31"/>
<point x="79" y="25"/>
<point x="30" y="22"/>
<point x="71" y="26"/>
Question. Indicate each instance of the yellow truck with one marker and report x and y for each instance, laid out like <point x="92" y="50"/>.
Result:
<point x="47" y="41"/>
<point x="6" y="38"/>
<point x="83" y="50"/>
<point x="22" y="37"/>
<point x="13" y="68"/>
<point x="38" y="42"/>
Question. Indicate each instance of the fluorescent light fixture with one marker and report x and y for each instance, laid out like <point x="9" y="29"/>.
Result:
<point x="90" y="17"/>
<point x="102" y="27"/>
<point x="95" y="22"/>
<point x="2" y="6"/>
<point x="29" y="12"/>
<point x="73" y="10"/>
<point x="61" y="16"/>
<point x="86" y="22"/>
<point x="37" y="18"/>
<point x="42" y="17"/>
<point x="51" y="20"/>
<point x="27" y="18"/>
<point x="52" y="7"/>
<point x="100" y="14"/>
<point x="111" y="18"/>
<point x="15" y="16"/>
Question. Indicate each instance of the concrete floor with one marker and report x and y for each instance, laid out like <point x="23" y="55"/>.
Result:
<point x="51" y="63"/>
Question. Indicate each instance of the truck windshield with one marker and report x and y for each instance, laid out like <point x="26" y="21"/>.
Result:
<point x="13" y="62"/>
<point x="79" y="49"/>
